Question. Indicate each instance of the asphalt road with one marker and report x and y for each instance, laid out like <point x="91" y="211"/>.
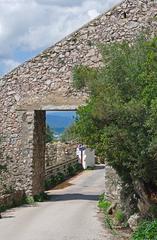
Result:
<point x="70" y="214"/>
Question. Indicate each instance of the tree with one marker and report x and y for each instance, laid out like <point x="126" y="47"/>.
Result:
<point x="120" y="118"/>
<point x="69" y="134"/>
<point x="49" y="134"/>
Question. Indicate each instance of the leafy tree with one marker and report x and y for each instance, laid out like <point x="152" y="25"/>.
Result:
<point x="49" y="134"/>
<point x="69" y="134"/>
<point x="120" y="118"/>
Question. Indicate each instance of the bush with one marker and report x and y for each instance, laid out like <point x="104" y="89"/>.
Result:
<point x="2" y="208"/>
<point x="146" y="231"/>
<point x="119" y="120"/>
<point x="71" y="170"/>
<point x="69" y="134"/>
<point x="29" y="200"/>
<point x="103" y="204"/>
<point x="119" y="216"/>
<point x="41" y="197"/>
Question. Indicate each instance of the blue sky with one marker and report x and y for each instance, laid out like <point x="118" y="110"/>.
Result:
<point x="29" y="26"/>
<point x="59" y="120"/>
<point x="71" y="114"/>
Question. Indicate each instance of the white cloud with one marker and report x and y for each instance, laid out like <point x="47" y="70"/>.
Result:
<point x="9" y="64"/>
<point x="32" y="25"/>
<point x="93" y="13"/>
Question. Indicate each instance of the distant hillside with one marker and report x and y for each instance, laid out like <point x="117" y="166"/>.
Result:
<point x="60" y="120"/>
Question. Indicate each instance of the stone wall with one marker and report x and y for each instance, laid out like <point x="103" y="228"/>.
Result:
<point x="39" y="152"/>
<point x="44" y="82"/>
<point x="123" y="196"/>
<point x="12" y="199"/>
<point x="58" y="157"/>
<point x="112" y="185"/>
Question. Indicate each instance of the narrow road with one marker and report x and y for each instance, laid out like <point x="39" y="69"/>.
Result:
<point x="70" y="214"/>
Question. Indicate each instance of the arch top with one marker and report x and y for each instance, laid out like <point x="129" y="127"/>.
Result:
<point x="60" y="108"/>
<point x="52" y="102"/>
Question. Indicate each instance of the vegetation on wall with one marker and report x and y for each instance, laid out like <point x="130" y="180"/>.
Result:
<point x="119" y="120"/>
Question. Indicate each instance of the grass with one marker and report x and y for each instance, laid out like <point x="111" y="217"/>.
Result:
<point x="113" y="220"/>
<point x="119" y="216"/>
<point x="104" y="205"/>
<point x="147" y="230"/>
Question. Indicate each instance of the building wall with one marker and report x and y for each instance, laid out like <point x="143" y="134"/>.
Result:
<point x="46" y="80"/>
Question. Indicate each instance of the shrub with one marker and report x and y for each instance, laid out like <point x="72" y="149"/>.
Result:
<point x="40" y="197"/>
<point x="59" y="177"/>
<point x="29" y="200"/>
<point x="119" y="120"/>
<point x="104" y="205"/>
<point x="146" y="231"/>
<point x="2" y="208"/>
<point x="71" y="170"/>
<point x="119" y="216"/>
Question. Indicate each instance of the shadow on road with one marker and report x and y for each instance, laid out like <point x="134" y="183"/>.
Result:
<point x="99" y="166"/>
<point x="74" y="196"/>
<point x="4" y="217"/>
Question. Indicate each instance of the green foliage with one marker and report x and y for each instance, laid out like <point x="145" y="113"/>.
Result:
<point x="69" y="134"/>
<point x="49" y="134"/>
<point x="3" y="208"/>
<point x="119" y="120"/>
<point x="60" y="177"/>
<point x="71" y="170"/>
<point x="51" y="182"/>
<point x="146" y="231"/>
<point x="29" y="200"/>
<point x="81" y="74"/>
<point x="103" y="204"/>
<point x="41" y="197"/>
<point x="37" y="198"/>
<point x="153" y="211"/>
<point x="119" y="216"/>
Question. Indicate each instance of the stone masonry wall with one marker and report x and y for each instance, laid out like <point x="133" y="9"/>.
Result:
<point x="112" y="185"/>
<point x="46" y="81"/>
<point x="39" y="152"/>
<point x="58" y="156"/>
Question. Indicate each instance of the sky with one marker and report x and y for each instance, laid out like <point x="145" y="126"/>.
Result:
<point x="59" y="120"/>
<point x="29" y="26"/>
<point x="71" y="114"/>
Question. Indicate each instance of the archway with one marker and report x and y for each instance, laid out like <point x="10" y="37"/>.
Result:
<point x="39" y="146"/>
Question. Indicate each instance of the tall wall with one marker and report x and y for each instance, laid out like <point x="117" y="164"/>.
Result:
<point x="46" y="80"/>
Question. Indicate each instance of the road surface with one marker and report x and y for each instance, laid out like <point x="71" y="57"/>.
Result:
<point x="70" y="214"/>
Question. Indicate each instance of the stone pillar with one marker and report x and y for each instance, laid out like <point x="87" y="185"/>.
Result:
<point x="38" y="164"/>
